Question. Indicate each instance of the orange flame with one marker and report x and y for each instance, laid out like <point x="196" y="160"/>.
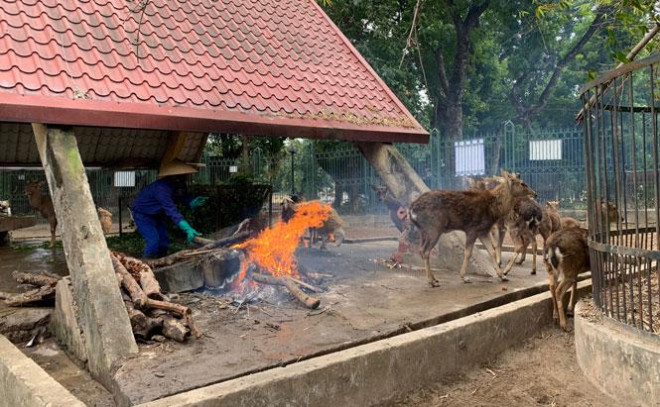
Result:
<point x="273" y="249"/>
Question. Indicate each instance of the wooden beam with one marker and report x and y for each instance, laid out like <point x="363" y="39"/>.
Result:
<point x="175" y="146"/>
<point x="102" y="316"/>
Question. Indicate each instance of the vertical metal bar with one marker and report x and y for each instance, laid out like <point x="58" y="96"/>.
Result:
<point x="656" y="186"/>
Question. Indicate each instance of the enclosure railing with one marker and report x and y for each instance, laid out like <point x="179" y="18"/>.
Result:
<point x="620" y="119"/>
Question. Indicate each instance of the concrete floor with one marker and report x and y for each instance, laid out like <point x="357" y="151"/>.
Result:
<point x="364" y="302"/>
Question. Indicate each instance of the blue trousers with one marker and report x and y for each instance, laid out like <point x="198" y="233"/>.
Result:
<point x="153" y="229"/>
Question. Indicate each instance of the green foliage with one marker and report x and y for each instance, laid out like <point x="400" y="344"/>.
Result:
<point x="228" y="204"/>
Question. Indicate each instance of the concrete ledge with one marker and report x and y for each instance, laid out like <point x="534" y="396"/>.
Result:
<point x="378" y="372"/>
<point x="619" y="360"/>
<point x="24" y="383"/>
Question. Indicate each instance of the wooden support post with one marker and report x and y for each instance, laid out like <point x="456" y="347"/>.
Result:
<point x="103" y="318"/>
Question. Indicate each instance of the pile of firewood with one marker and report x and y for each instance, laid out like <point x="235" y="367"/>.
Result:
<point x="147" y="309"/>
<point x="149" y="312"/>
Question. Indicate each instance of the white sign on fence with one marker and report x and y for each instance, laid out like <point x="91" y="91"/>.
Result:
<point x="544" y="150"/>
<point x="470" y="157"/>
<point x="124" y="178"/>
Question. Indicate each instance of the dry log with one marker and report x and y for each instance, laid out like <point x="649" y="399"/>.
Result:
<point x="306" y="300"/>
<point x="179" y="309"/>
<point x="307" y="285"/>
<point x="227" y="241"/>
<point x="34" y="279"/>
<point x="138" y="296"/>
<point x="45" y="292"/>
<point x="142" y="325"/>
<point x="142" y="273"/>
<point x="312" y="274"/>
<point x="174" y="328"/>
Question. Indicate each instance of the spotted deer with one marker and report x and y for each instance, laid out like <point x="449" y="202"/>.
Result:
<point x="473" y="212"/>
<point x="565" y="255"/>
<point x="42" y="203"/>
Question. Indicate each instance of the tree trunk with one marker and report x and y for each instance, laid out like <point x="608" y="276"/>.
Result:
<point x="405" y="184"/>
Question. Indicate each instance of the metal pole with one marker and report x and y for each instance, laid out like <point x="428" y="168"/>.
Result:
<point x="120" y="219"/>
<point x="293" y="186"/>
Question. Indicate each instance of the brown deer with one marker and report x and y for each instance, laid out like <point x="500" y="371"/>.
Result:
<point x="473" y="212"/>
<point x="565" y="256"/>
<point x="523" y="225"/>
<point x="105" y="217"/>
<point x="568" y="222"/>
<point x="498" y="231"/>
<point x="42" y="203"/>
<point x="551" y="220"/>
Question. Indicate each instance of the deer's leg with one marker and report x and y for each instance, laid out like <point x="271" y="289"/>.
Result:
<point x="53" y="228"/>
<point x="499" y="272"/>
<point x="561" y="290"/>
<point x="501" y="233"/>
<point x="571" y="301"/>
<point x="428" y="243"/>
<point x="552" y="286"/>
<point x="534" y="249"/>
<point x="494" y="235"/>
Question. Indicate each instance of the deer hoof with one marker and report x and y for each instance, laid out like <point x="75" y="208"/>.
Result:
<point x="434" y="283"/>
<point x="533" y="272"/>
<point x="467" y="280"/>
<point x="503" y="277"/>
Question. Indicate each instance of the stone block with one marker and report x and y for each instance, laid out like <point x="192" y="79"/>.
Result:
<point x="217" y="267"/>
<point x="64" y="322"/>
<point x="18" y="324"/>
<point x="24" y="383"/>
<point x="184" y="276"/>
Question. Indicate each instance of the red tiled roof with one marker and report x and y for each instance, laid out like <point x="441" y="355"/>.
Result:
<point x="271" y="67"/>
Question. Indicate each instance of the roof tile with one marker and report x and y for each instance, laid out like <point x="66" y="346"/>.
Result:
<point x="266" y="58"/>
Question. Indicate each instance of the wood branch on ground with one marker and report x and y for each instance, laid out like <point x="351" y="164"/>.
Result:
<point x="174" y="328"/>
<point x="306" y="300"/>
<point x="42" y="293"/>
<point x="34" y="278"/>
<point x="182" y="310"/>
<point x="312" y="274"/>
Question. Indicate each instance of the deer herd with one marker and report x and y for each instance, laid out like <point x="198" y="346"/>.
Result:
<point x="496" y="205"/>
<point x="487" y="210"/>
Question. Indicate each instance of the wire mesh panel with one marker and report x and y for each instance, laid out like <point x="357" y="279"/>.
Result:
<point x="621" y="148"/>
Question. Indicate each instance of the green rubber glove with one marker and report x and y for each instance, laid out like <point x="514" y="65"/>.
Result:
<point x="190" y="232"/>
<point x="198" y="201"/>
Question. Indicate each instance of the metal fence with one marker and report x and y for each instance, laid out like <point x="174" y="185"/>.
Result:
<point x="621" y="139"/>
<point x="550" y="161"/>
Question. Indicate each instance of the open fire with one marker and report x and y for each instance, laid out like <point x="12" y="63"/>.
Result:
<point x="273" y="250"/>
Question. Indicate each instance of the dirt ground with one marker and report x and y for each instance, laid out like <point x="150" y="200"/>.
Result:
<point x="543" y="371"/>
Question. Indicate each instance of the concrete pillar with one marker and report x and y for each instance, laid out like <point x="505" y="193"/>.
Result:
<point x="103" y="318"/>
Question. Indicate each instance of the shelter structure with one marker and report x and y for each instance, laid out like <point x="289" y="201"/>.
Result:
<point x="126" y="84"/>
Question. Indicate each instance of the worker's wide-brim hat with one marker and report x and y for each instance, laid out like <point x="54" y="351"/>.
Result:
<point x="175" y="167"/>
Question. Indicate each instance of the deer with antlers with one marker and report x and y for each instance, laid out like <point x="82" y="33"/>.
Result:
<point x="44" y="204"/>
<point x="473" y="212"/>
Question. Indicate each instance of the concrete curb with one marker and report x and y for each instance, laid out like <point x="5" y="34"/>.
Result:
<point x="24" y="383"/>
<point x="379" y="372"/>
<point x="619" y="360"/>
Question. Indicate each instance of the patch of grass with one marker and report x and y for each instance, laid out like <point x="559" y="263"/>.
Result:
<point x="133" y="244"/>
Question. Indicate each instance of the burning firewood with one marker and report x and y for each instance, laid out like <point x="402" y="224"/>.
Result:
<point x="308" y="301"/>
<point x="208" y="247"/>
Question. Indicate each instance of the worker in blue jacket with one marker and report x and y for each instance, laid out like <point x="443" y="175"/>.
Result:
<point x="158" y="201"/>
